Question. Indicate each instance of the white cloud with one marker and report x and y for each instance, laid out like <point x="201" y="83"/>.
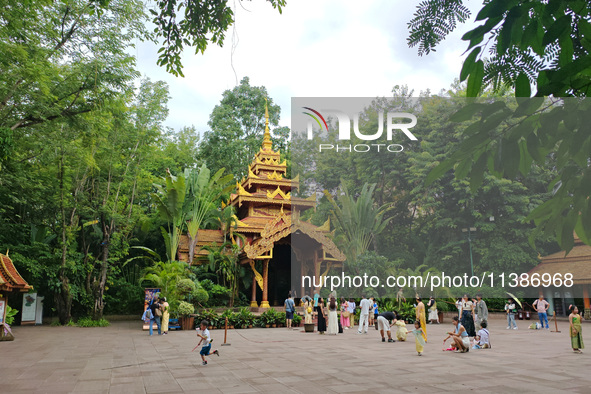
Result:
<point x="315" y="48"/>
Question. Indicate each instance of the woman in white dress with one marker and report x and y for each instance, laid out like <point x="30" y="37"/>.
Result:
<point x="333" y="325"/>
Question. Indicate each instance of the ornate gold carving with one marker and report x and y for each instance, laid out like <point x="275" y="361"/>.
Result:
<point x="257" y="275"/>
<point x="274" y="175"/>
<point x="325" y="227"/>
<point x="311" y="198"/>
<point x="241" y="191"/>
<point x="251" y="174"/>
<point x="278" y="191"/>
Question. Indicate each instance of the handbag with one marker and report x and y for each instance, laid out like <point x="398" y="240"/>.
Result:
<point x="346" y="314"/>
<point x="158" y="312"/>
<point x="309" y="310"/>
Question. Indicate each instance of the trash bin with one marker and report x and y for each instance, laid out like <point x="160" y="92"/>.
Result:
<point x="527" y="315"/>
<point x="520" y="314"/>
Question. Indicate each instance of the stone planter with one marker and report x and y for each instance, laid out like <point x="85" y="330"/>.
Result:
<point x="309" y="327"/>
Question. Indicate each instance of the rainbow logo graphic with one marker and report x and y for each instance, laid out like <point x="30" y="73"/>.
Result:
<point x="316" y="117"/>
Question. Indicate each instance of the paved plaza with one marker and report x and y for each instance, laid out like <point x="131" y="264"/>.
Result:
<point x="123" y="359"/>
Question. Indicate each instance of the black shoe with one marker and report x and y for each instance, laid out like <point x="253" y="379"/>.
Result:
<point x="204" y="363"/>
<point x="391" y="340"/>
<point x="383" y="339"/>
<point x="216" y="352"/>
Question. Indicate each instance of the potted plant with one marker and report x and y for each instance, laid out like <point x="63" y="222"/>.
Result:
<point x="269" y="318"/>
<point x="245" y="318"/>
<point x="297" y="319"/>
<point x="185" y="310"/>
<point x="281" y="317"/>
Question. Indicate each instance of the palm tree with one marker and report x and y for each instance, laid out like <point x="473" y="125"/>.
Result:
<point x="165" y="275"/>
<point x="170" y="198"/>
<point x="223" y="259"/>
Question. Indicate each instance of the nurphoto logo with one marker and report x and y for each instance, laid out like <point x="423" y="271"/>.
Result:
<point x="395" y="121"/>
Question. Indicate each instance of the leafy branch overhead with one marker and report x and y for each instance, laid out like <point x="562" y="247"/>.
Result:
<point x="519" y="43"/>
<point x="538" y="49"/>
<point x="181" y="23"/>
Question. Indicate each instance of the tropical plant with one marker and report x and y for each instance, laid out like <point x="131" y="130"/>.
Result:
<point x="357" y="220"/>
<point x="223" y="259"/>
<point x="170" y="198"/>
<point x="297" y="319"/>
<point x="166" y="277"/>
<point x="10" y="314"/>
<point x="204" y="194"/>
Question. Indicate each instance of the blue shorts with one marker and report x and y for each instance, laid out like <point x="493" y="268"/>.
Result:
<point x="288" y="315"/>
<point x="205" y="350"/>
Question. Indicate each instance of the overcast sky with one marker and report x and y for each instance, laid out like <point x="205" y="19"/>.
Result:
<point x="325" y="48"/>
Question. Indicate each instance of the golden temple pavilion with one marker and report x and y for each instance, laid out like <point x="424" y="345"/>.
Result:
<point x="285" y="247"/>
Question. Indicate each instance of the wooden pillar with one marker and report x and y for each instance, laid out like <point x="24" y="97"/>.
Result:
<point x="587" y="304"/>
<point x="253" y="297"/>
<point x="265" y="302"/>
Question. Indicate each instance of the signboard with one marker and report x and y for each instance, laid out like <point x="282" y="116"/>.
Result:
<point x="29" y="308"/>
<point x="2" y="310"/>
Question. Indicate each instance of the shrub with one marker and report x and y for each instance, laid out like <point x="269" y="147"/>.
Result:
<point x="185" y="286"/>
<point x="297" y="319"/>
<point x="88" y="322"/>
<point x="185" y="309"/>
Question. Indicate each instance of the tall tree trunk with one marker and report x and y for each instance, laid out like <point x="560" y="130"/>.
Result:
<point x="100" y="282"/>
<point x="63" y="298"/>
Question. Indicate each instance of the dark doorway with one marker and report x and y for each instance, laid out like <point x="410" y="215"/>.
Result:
<point x="280" y="274"/>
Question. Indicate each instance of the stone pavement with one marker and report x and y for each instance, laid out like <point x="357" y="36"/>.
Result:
<point x="123" y="359"/>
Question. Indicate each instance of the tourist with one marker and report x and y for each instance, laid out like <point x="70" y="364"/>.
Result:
<point x="510" y="310"/>
<point x="401" y="330"/>
<point x="541" y="306"/>
<point x="468" y="316"/>
<point x="370" y="317"/>
<point x="459" y="306"/>
<point x="307" y="310"/>
<point x="400" y="296"/>
<point x="345" y="314"/>
<point x="419" y="337"/>
<point x="576" y="335"/>
<point x="156" y="310"/>
<point x="351" y="309"/>
<point x="333" y="325"/>
<point x="364" y="306"/>
<point x="482" y="337"/>
<point x="375" y="309"/>
<point x="165" y="316"/>
<point x="420" y="316"/>
<point x="206" y="340"/>
<point x="289" y="310"/>
<point x="321" y="316"/>
<point x="432" y="305"/>
<point x="385" y="321"/>
<point x="481" y="310"/>
<point x="459" y="336"/>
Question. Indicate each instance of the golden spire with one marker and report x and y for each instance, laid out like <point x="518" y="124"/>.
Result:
<point x="267" y="143"/>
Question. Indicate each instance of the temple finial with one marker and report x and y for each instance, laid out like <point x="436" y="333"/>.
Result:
<point x="267" y="143"/>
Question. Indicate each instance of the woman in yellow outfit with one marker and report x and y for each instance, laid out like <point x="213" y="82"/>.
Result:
<point x="165" y="316"/>
<point x="420" y="316"/>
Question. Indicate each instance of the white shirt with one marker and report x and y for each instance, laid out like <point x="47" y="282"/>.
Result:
<point x="365" y="304"/>
<point x="205" y="333"/>
<point x="483" y="334"/>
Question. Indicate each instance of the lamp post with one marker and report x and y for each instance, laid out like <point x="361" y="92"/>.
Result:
<point x="469" y="231"/>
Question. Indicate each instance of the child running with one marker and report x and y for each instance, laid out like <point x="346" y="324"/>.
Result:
<point x="419" y="337"/>
<point x="206" y="340"/>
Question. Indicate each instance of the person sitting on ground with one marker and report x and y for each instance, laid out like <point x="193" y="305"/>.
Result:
<point x="459" y="336"/>
<point x="482" y="337"/>
<point x="385" y="321"/>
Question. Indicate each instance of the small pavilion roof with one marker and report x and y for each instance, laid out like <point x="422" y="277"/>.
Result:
<point x="10" y="279"/>
<point x="577" y="262"/>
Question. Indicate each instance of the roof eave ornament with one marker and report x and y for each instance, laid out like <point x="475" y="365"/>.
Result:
<point x="267" y="143"/>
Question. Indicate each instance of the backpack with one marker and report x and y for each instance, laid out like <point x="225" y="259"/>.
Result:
<point x="148" y="314"/>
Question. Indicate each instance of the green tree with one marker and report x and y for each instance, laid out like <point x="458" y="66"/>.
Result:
<point x="60" y="59"/>
<point x="237" y="125"/>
